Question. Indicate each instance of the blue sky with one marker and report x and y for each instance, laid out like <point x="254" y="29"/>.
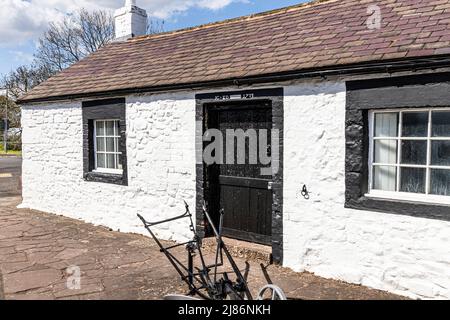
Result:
<point x="22" y="21"/>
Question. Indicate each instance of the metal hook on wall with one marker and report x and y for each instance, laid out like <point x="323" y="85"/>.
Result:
<point x="305" y="192"/>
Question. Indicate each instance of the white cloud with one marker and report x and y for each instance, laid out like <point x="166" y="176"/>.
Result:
<point x="23" y="20"/>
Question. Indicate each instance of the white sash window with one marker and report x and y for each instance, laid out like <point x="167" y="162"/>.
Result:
<point x="106" y="146"/>
<point x="409" y="154"/>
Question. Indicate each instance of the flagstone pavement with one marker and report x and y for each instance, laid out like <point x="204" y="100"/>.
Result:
<point x="37" y="248"/>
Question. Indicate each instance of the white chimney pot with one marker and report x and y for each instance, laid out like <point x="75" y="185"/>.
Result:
<point x="130" y="21"/>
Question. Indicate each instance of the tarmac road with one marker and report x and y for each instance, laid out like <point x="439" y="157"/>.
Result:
<point x="10" y="176"/>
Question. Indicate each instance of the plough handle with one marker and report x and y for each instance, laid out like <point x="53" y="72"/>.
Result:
<point x="187" y="214"/>
<point x="142" y="219"/>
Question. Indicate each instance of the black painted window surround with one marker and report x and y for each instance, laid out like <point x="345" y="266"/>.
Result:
<point x="93" y="111"/>
<point x="411" y="93"/>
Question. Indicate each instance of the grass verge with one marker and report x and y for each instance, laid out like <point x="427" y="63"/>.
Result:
<point x="10" y="152"/>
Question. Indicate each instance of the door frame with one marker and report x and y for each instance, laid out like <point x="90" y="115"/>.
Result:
<point x="213" y="177"/>
<point x="276" y="97"/>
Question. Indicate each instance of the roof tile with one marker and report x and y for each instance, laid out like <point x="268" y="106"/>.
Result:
<point x="316" y="34"/>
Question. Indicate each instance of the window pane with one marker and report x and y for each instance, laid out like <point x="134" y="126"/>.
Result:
<point x="384" y="178"/>
<point x="440" y="182"/>
<point x="414" y="152"/>
<point x="119" y="161"/>
<point x="110" y="161"/>
<point x="100" y="144"/>
<point x="386" y="151"/>
<point x="101" y="160"/>
<point x="441" y="124"/>
<point x="100" y="128"/>
<point x="110" y="144"/>
<point x="440" y="153"/>
<point x="412" y="180"/>
<point x="117" y="130"/>
<point x="386" y="124"/>
<point x="116" y="144"/>
<point x="110" y="128"/>
<point x="415" y="124"/>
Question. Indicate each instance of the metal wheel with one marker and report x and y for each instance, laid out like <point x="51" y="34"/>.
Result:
<point x="177" y="297"/>
<point x="276" y="293"/>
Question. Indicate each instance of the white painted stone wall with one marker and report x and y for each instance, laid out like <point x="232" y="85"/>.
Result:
<point x="161" y="165"/>
<point x="405" y="255"/>
<point x="130" y="21"/>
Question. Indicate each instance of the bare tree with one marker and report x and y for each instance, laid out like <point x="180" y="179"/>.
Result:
<point x="63" y="44"/>
<point x="17" y="83"/>
<point x="72" y="39"/>
<point x="13" y="112"/>
<point x="13" y="130"/>
<point x="24" y="78"/>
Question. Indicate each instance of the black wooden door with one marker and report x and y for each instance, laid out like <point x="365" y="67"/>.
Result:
<point x="240" y="189"/>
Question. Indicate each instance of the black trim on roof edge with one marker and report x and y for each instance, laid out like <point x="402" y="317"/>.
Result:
<point x="386" y="66"/>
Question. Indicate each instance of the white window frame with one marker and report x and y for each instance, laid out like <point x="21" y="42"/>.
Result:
<point x="398" y="195"/>
<point x="116" y="135"/>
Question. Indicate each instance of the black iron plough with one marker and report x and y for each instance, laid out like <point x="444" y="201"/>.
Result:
<point x="207" y="281"/>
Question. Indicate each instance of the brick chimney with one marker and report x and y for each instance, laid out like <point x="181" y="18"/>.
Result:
<point x="131" y="21"/>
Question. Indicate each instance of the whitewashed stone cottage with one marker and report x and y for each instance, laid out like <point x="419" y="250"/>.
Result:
<point x="360" y="97"/>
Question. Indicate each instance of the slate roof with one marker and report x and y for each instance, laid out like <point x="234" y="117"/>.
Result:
<point x="317" y="34"/>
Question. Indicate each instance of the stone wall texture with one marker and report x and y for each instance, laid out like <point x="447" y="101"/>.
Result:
<point x="405" y="255"/>
<point x="161" y="165"/>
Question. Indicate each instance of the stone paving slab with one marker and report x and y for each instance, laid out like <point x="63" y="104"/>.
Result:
<point x="2" y="295"/>
<point x="36" y="250"/>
